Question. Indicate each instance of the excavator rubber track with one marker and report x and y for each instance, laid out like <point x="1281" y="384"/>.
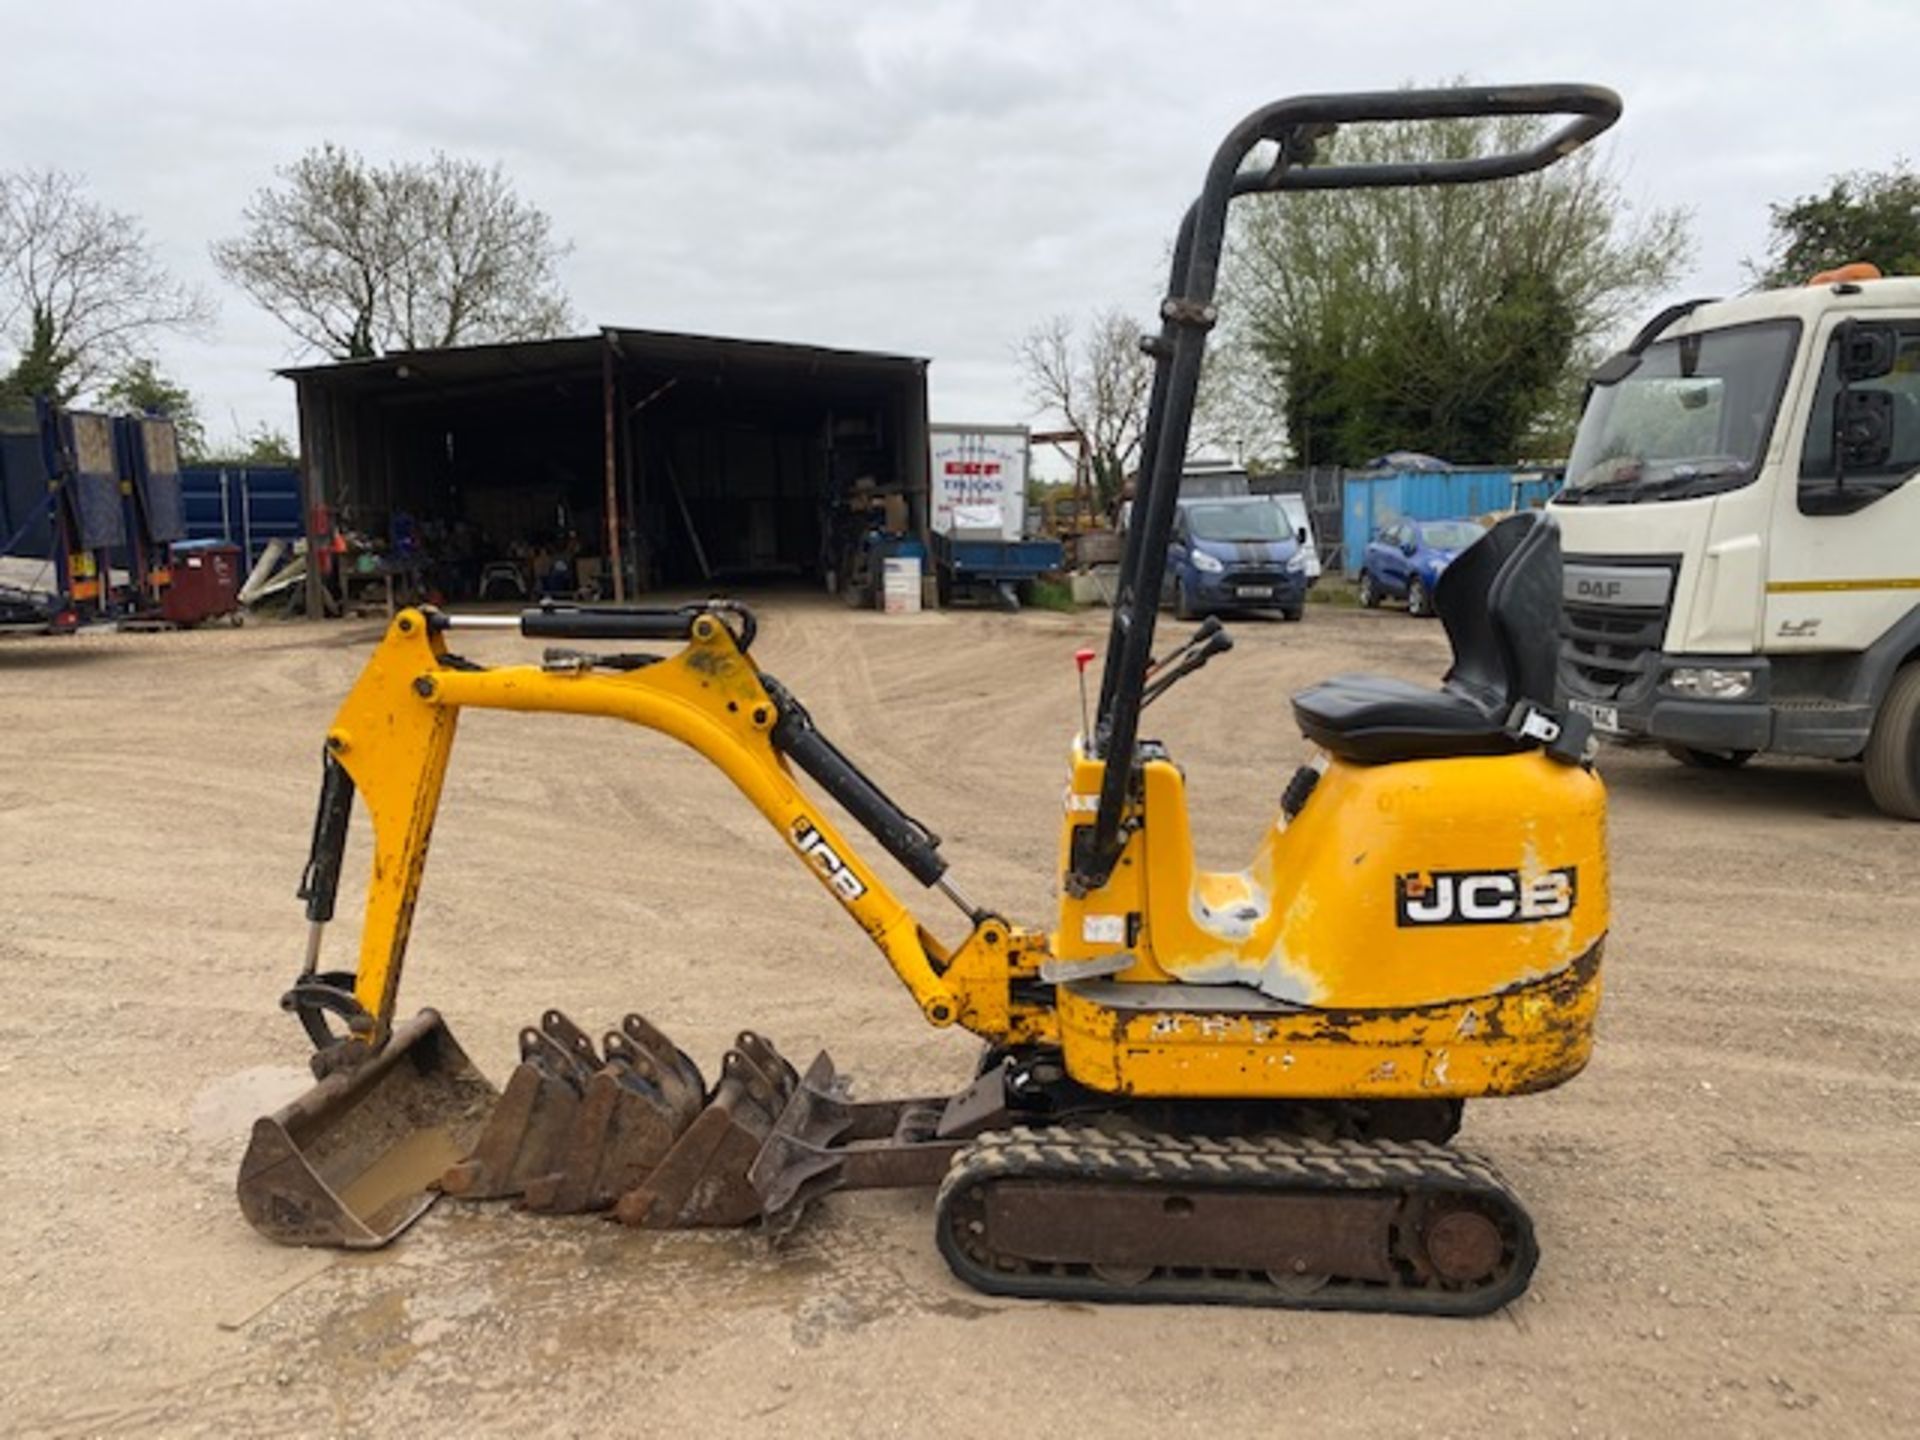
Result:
<point x="1143" y="1217"/>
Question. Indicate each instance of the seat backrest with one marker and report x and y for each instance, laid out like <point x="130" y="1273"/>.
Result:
<point x="1500" y="603"/>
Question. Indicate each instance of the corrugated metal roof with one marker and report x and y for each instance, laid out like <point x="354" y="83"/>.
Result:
<point x="534" y="359"/>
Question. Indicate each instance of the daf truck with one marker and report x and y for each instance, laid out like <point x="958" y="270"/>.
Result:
<point x="1741" y="526"/>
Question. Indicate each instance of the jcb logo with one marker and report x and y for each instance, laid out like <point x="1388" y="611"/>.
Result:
<point x="1483" y="897"/>
<point x="824" y="858"/>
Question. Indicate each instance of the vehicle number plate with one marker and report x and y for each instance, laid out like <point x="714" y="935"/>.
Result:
<point x="1253" y="592"/>
<point x="1604" y="717"/>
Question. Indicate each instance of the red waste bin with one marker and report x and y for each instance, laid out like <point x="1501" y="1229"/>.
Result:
<point x="206" y="583"/>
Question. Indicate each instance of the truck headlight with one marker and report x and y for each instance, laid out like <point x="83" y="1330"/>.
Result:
<point x="1707" y="683"/>
<point x="1297" y="562"/>
<point x="1206" y="562"/>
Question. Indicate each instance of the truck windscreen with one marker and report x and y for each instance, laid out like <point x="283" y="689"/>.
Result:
<point x="1692" y="418"/>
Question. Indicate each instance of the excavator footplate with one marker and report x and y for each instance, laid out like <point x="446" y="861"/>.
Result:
<point x="1144" y="1217"/>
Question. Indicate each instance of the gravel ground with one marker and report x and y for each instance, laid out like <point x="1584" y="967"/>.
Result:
<point x="1728" y="1200"/>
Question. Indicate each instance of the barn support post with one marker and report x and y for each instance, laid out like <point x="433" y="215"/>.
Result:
<point x="313" y="483"/>
<point x="607" y="401"/>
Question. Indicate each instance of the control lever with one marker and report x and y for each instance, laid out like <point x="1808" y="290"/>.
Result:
<point x="1205" y="631"/>
<point x="1082" y="658"/>
<point x="1218" y="642"/>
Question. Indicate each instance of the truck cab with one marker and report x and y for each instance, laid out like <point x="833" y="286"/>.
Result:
<point x="1741" y="527"/>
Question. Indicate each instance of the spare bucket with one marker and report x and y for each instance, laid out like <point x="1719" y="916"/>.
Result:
<point x="355" y="1160"/>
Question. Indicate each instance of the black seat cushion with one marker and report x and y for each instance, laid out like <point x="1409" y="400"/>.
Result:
<point x="1376" y="719"/>
<point x="1499" y="601"/>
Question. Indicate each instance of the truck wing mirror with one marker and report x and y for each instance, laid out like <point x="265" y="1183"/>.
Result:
<point x="1300" y="534"/>
<point x="1866" y="351"/>
<point x="1863" y="428"/>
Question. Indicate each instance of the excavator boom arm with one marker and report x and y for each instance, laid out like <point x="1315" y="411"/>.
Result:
<point x="394" y="735"/>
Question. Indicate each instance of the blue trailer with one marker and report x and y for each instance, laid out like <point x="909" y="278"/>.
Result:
<point x="992" y="568"/>
<point x="61" y="518"/>
<point x="147" y="454"/>
<point x="30" y="586"/>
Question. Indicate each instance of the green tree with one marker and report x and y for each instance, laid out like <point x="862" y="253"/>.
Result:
<point x="359" y="259"/>
<point x="141" y="389"/>
<point x="42" y="368"/>
<point x="262" y="445"/>
<point x="1871" y="215"/>
<point x="1457" y="321"/>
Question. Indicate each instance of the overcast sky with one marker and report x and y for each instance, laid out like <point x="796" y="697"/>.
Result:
<point x="927" y="179"/>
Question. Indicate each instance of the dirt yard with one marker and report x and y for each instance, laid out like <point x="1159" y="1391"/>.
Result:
<point x="1728" y="1200"/>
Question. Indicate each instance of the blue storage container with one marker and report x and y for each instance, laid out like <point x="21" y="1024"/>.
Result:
<point x="246" y="505"/>
<point x="1376" y="498"/>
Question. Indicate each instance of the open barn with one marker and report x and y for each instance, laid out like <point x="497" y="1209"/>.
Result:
<point x="615" y="464"/>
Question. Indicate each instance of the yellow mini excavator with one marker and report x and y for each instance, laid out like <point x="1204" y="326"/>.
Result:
<point x="1197" y="1086"/>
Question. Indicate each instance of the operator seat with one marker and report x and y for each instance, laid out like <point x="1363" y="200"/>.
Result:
<point x="1500" y="603"/>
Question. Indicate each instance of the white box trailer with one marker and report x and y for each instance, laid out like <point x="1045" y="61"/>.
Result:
<point x="978" y="492"/>
<point x="979" y="468"/>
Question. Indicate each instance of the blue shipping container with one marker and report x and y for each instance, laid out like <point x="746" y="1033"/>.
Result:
<point x="1380" y="497"/>
<point x="246" y="506"/>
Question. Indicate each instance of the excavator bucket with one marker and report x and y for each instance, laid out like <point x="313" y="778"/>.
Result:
<point x="523" y="1139"/>
<point x="623" y="1129"/>
<point x="702" y="1180"/>
<point x="354" y="1161"/>
<point x="581" y="1126"/>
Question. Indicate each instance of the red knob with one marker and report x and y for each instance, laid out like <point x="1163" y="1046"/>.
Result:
<point x="1083" y="657"/>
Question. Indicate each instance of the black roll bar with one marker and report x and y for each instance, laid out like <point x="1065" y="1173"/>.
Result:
<point x="1187" y="314"/>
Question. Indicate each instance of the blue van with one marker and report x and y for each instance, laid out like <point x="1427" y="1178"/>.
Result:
<point x="1236" y="553"/>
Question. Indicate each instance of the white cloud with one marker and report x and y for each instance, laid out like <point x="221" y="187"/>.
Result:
<point x="927" y="178"/>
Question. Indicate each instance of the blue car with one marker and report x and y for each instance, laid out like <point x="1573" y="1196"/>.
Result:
<point x="1404" y="561"/>
<point x="1236" y="553"/>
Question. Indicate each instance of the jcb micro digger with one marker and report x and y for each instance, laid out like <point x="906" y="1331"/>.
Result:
<point x="1198" y="1086"/>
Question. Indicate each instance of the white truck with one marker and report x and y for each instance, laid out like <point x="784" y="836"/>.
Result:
<point x="1741" y="532"/>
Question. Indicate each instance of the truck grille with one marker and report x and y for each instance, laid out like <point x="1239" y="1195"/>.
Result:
<point x="1611" y="652"/>
<point x="1608" y="649"/>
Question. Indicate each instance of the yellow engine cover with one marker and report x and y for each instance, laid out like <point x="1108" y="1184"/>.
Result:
<point x="1421" y="930"/>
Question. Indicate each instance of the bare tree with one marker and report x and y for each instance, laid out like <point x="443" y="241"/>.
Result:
<point x="357" y="259"/>
<point x="1241" y="410"/>
<point x="80" y="289"/>
<point x="1098" y="382"/>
